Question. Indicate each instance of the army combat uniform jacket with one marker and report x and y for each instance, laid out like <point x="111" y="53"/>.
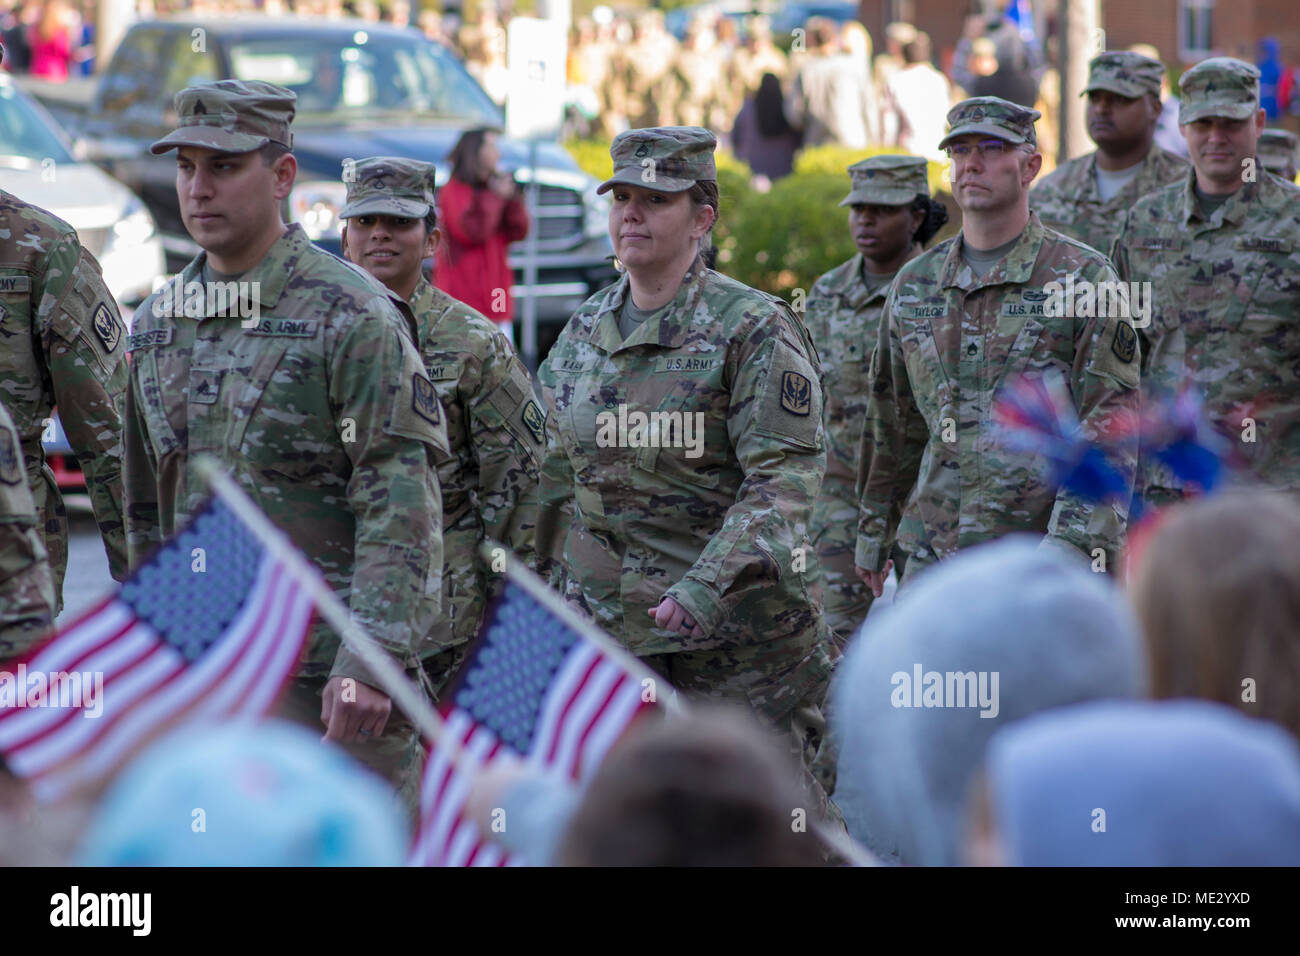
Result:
<point x="1226" y="316"/>
<point x="497" y="433"/>
<point x="1068" y="200"/>
<point x="323" y="413"/>
<point x="948" y="341"/>
<point x="690" y="455"/>
<point x="844" y="320"/>
<point x="62" y="343"/>
<point x="26" y="586"/>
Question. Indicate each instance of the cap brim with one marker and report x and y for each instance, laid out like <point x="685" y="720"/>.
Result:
<point x="984" y="129"/>
<point x="896" y="196"/>
<point x="209" y="137"/>
<point x="1130" y="92"/>
<point x="1236" y="111"/>
<point x="634" y="176"/>
<point x="385" y="206"/>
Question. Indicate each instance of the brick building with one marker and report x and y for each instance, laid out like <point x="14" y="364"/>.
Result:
<point x="1184" y="31"/>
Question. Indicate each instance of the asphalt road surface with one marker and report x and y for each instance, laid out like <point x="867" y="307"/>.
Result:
<point x="88" y="579"/>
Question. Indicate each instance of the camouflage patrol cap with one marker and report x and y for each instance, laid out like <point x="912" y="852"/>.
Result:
<point x="1219" y="86"/>
<point x="390" y="186"/>
<point x="1125" y="73"/>
<point x="233" y="116"/>
<point x="1278" y="150"/>
<point x="887" y="180"/>
<point x="667" y="159"/>
<point x="994" y="116"/>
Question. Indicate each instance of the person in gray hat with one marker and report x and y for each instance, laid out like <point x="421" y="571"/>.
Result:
<point x="891" y="218"/>
<point x="686" y="449"/>
<point x="1086" y="198"/>
<point x="300" y="374"/>
<point x="495" y="422"/>
<point x="1220" y="250"/>
<point x="1279" y="152"/>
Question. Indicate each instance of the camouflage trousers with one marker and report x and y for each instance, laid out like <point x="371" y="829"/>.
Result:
<point x="784" y="686"/>
<point x="398" y="753"/>
<point x="846" y="599"/>
<point x="54" y="521"/>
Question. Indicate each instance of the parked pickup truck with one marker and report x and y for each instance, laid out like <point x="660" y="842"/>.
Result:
<point x="364" y="89"/>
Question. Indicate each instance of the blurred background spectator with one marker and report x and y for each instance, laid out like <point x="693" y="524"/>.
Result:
<point x="762" y="136"/>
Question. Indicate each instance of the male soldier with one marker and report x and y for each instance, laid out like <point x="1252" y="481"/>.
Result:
<point x="317" y="402"/>
<point x="495" y="423"/>
<point x="1278" y="150"/>
<point x="1086" y="198"/>
<point x="1221" y="250"/>
<point x="961" y="320"/>
<point x="26" y="585"/>
<point x="61" y="344"/>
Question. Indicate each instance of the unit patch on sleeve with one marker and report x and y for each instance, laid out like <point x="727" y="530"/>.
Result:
<point x="796" y="393"/>
<point x="107" y="327"/>
<point x="535" y="421"/>
<point x="1124" y="344"/>
<point x="424" y="400"/>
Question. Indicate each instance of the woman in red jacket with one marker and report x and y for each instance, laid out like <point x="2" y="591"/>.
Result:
<point x="482" y="212"/>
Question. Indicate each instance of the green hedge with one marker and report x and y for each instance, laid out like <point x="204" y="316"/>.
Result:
<point x="781" y="240"/>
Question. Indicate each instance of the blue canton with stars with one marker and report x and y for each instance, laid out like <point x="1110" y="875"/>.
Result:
<point x="504" y="683"/>
<point x="191" y="609"/>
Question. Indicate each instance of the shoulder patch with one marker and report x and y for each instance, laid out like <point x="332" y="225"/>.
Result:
<point x="1124" y="342"/>
<point x="535" y="421"/>
<point x="11" y="457"/>
<point x="796" y="393"/>
<point x="106" y="327"/>
<point x="424" y="399"/>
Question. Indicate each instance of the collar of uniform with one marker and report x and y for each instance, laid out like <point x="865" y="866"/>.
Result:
<point x="669" y="329"/>
<point x="272" y="274"/>
<point x="846" y="282"/>
<point x="426" y="307"/>
<point x="1234" y="211"/>
<point x="1015" y="268"/>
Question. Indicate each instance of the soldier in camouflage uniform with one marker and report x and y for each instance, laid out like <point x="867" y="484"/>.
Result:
<point x="312" y="393"/>
<point x="1086" y="198"/>
<point x="61" y="343"/>
<point x="1221" y="250"/>
<point x="965" y="317"/>
<point x="26" y="585"/>
<point x="495" y="424"/>
<point x="891" y="217"/>
<point x="1279" y="152"/>
<point x="685" y="451"/>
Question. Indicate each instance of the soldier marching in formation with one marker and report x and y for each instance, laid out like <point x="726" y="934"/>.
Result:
<point x="699" y="461"/>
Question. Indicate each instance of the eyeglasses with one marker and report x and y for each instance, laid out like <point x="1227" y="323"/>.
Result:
<point x="985" y="147"/>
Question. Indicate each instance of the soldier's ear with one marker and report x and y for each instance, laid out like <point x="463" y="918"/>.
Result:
<point x="1032" y="165"/>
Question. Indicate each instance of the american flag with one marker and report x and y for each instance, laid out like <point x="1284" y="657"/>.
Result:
<point x="209" y="627"/>
<point x="534" y="687"/>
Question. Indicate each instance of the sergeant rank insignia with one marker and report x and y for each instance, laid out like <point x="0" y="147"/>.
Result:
<point x="106" y="327"/>
<point x="796" y="394"/>
<point x="1124" y="344"/>
<point x="424" y="399"/>
<point x="535" y="421"/>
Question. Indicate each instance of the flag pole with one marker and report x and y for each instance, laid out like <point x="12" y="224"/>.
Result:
<point x="394" y="682"/>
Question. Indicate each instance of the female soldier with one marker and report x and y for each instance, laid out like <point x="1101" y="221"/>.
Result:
<point x="684" y="453"/>
<point x="891" y="218"/>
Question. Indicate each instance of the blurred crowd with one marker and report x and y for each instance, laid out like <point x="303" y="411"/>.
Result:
<point x="766" y="96"/>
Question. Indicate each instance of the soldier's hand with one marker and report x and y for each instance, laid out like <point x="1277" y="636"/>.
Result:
<point x="671" y="616"/>
<point x="875" y="579"/>
<point x="349" y="720"/>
